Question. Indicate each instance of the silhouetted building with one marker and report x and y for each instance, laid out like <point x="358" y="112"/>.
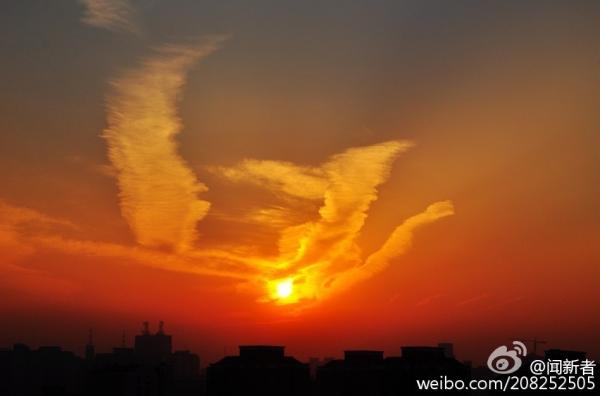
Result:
<point x="185" y="364"/>
<point x="579" y="357"/>
<point x="186" y="373"/>
<point x="448" y="348"/>
<point x="560" y="354"/>
<point x="368" y="373"/>
<point x="45" y="371"/>
<point x="314" y="363"/>
<point x="423" y="362"/>
<point x="580" y="382"/>
<point x="153" y="348"/>
<point x="151" y="369"/>
<point x="258" y="370"/>
<point x="116" y="374"/>
<point x="359" y="373"/>
<point x="148" y="369"/>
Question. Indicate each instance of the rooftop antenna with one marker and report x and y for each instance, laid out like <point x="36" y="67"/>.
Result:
<point x="161" y="329"/>
<point x="145" y="328"/>
<point x="123" y="344"/>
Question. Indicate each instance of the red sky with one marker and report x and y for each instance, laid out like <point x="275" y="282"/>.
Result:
<point x="404" y="178"/>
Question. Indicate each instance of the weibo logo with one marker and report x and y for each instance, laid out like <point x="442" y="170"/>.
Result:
<point x="507" y="361"/>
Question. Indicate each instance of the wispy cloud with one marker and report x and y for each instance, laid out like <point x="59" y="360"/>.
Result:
<point x="12" y="219"/>
<point x="17" y="216"/>
<point x="396" y="244"/>
<point x="352" y="180"/>
<point x="114" y="15"/>
<point x="322" y="257"/>
<point x="268" y="216"/>
<point x="207" y="262"/>
<point x="17" y="225"/>
<point x="24" y="231"/>
<point x="158" y="191"/>
<point x="278" y="176"/>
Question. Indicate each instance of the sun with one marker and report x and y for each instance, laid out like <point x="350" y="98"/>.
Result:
<point x="285" y="288"/>
<point x="283" y="291"/>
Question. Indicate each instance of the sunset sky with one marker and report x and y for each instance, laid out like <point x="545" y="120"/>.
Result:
<point x="321" y="175"/>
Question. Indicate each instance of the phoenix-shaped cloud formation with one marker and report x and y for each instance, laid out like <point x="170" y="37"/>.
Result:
<point x="158" y="191"/>
<point x="321" y="257"/>
<point x="114" y="15"/>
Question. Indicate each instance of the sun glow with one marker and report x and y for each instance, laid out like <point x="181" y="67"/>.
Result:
<point x="285" y="288"/>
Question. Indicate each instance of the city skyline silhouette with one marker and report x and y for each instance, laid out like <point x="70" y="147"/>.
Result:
<point x="151" y="366"/>
<point x="296" y="197"/>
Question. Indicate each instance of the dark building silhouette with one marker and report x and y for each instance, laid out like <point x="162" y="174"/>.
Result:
<point x="368" y="373"/>
<point x="153" y="348"/>
<point x="46" y="371"/>
<point x="552" y="355"/>
<point x="186" y="374"/>
<point x="423" y="362"/>
<point x="448" y="348"/>
<point x="151" y="368"/>
<point x="258" y="370"/>
<point x="359" y="373"/>
<point x="578" y="356"/>
<point x="314" y="363"/>
<point x="559" y="354"/>
<point x="119" y="374"/>
<point x="148" y="369"/>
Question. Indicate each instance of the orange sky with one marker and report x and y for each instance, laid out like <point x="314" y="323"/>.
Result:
<point x="326" y="179"/>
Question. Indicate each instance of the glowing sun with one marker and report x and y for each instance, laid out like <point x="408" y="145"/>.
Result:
<point x="285" y="288"/>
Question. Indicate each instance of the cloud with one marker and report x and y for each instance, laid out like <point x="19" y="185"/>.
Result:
<point x="278" y="176"/>
<point x="12" y="216"/>
<point x="158" y="191"/>
<point x="208" y="262"/>
<point x="322" y="257"/>
<point x="25" y="232"/>
<point x="16" y="225"/>
<point x="397" y="244"/>
<point x="271" y="216"/>
<point x="338" y="265"/>
<point x="352" y="180"/>
<point x="114" y="15"/>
